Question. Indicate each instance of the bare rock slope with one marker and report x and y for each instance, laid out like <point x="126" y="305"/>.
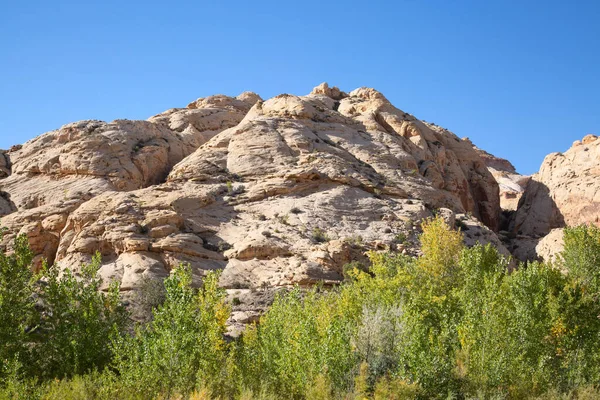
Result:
<point x="565" y="192"/>
<point x="277" y="192"/>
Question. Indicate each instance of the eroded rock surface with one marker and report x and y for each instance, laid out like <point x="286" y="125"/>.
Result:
<point x="92" y="157"/>
<point x="565" y="192"/>
<point x="274" y="193"/>
<point x="4" y="164"/>
<point x="511" y="184"/>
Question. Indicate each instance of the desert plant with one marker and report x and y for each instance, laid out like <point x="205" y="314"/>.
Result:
<point x="319" y="236"/>
<point x="150" y="294"/>
<point x="400" y="238"/>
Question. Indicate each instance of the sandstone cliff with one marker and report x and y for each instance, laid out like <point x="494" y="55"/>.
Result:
<point x="511" y="184"/>
<point x="565" y="192"/>
<point x="277" y="192"/>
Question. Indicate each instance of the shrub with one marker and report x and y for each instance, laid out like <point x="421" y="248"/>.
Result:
<point x="319" y="236"/>
<point x="379" y="338"/>
<point x="400" y="238"/>
<point x="234" y="190"/>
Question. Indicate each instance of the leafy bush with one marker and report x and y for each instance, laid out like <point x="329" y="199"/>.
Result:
<point x="319" y="235"/>
<point x="150" y="295"/>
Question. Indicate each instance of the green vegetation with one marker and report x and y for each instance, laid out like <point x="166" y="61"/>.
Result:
<point x="319" y="236"/>
<point x="54" y="325"/>
<point x="451" y="324"/>
<point x="400" y="238"/>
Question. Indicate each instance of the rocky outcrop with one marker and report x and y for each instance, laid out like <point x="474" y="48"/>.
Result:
<point x="566" y="191"/>
<point x="4" y="164"/>
<point x="491" y="161"/>
<point x="6" y="205"/>
<point x="43" y="226"/>
<point x="274" y="193"/>
<point x="93" y="157"/>
<point x="551" y="245"/>
<point x="511" y="184"/>
<point x="362" y="142"/>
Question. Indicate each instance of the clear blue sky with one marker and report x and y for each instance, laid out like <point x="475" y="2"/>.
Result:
<point x="520" y="78"/>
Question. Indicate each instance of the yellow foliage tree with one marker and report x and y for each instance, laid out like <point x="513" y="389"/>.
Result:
<point x="441" y="246"/>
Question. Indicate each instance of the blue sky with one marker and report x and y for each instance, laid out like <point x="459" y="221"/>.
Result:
<point x="520" y="78"/>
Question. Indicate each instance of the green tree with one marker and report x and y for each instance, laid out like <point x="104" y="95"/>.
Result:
<point x="183" y="346"/>
<point x="17" y="305"/>
<point x="302" y="338"/>
<point x="581" y="255"/>
<point x="77" y="321"/>
<point x="432" y="312"/>
<point x="576" y="329"/>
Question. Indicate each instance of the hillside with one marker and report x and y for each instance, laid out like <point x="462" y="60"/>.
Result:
<point x="278" y="192"/>
<point x="350" y="230"/>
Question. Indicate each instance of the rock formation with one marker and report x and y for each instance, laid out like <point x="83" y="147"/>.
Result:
<point x="274" y="193"/>
<point x="95" y="156"/>
<point x="565" y="192"/>
<point x="4" y="164"/>
<point x="511" y="184"/>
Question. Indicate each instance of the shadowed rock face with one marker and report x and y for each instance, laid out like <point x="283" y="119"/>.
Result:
<point x="537" y="212"/>
<point x="285" y="191"/>
<point x="511" y="184"/>
<point x="6" y="205"/>
<point x="4" y="164"/>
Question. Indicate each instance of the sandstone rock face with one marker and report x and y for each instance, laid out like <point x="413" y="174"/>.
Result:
<point x="497" y="163"/>
<point x="6" y="205"/>
<point x="274" y="193"/>
<point x="511" y="184"/>
<point x="566" y="191"/>
<point x="94" y="156"/>
<point x="290" y="142"/>
<point x="4" y="164"/>
<point x="551" y="245"/>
